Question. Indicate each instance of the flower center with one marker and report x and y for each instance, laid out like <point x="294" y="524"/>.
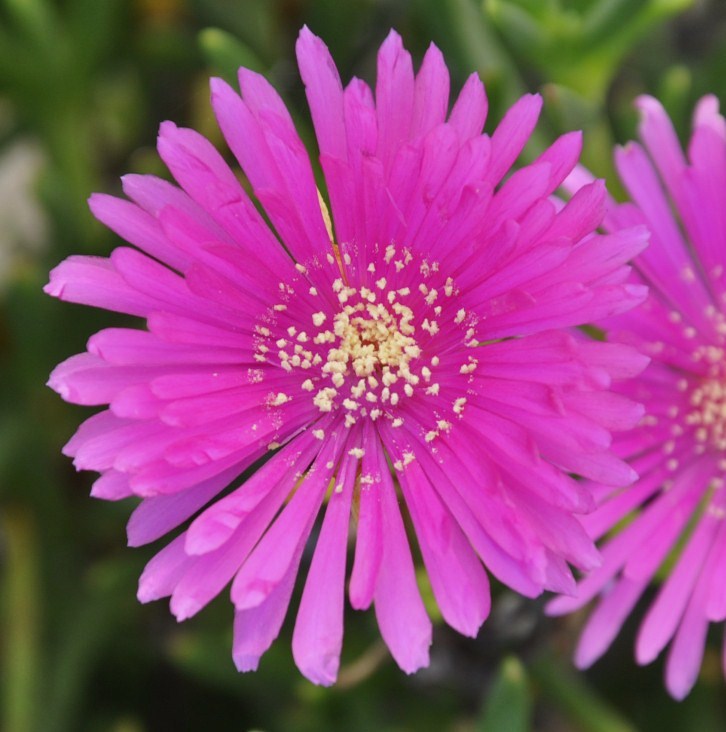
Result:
<point x="709" y="412"/>
<point x="372" y="339"/>
<point x="373" y="350"/>
<point x="367" y="334"/>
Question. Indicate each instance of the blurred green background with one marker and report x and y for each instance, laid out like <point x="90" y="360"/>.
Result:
<point x="83" y="87"/>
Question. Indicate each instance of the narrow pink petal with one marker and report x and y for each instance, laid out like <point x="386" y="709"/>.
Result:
<point x="431" y="93"/>
<point x="706" y="114"/>
<point x="163" y="571"/>
<point x="584" y="211"/>
<point x="127" y="347"/>
<point x="716" y="603"/>
<point x="612" y="411"/>
<point x="89" y="380"/>
<point x="521" y="190"/>
<point x="470" y="109"/>
<point x="94" y="281"/>
<point x="615" y="553"/>
<point x="154" y="517"/>
<point x="218" y="522"/>
<point x="607" y="620"/>
<point x="369" y="538"/>
<point x="261" y="97"/>
<point x="256" y="628"/>
<point x="136" y="402"/>
<point x="111" y="486"/>
<point x="160" y="477"/>
<point x="207" y="575"/>
<point x="609" y="513"/>
<point x="394" y="97"/>
<point x="507" y="568"/>
<point x="205" y="176"/>
<point x="660" y="139"/>
<point x="512" y="134"/>
<point x="665" y="614"/>
<point x="276" y="163"/>
<point x="686" y="653"/>
<point x="597" y="259"/>
<point x="558" y="530"/>
<point x="98" y="440"/>
<point x="699" y="203"/>
<point x="458" y="579"/>
<point x="220" y="561"/>
<point x="324" y="93"/>
<point x="402" y="619"/>
<point x="155" y="195"/>
<point x="248" y="434"/>
<point x="271" y="558"/>
<point x="137" y="227"/>
<point x="562" y="156"/>
<point x="192" y="382"/>
<point x="172" y="291"/>
<point x="175" y="328"/>
<point x="347" y="179"/>
<point x="668" y="259"/>
<point x="317" y="639"/>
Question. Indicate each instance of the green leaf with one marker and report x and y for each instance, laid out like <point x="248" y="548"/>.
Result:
<point x="92" y="26"/>
<point x="509" y="705"/>
<point x="570" y="692"/>
<point x="35" y="19"/>
<point x="226" y="54"/>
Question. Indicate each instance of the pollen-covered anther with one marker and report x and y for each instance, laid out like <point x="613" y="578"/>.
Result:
<point x="323" y="400"/>
<point x="407" y="458"/>
<point x="468" y="368"/>
<point x="277" y="400"/>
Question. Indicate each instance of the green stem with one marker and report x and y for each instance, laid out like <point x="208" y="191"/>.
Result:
<point x="21" y="621"/>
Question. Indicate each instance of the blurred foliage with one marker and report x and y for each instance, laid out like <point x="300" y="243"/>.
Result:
<point x="87" y="83"/>
<point x="508" y="706"/>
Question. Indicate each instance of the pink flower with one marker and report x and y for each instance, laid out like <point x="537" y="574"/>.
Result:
<point x="412" y="351"/>
<point x="674" y="513"/>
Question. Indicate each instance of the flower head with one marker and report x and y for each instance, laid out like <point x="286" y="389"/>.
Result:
<point x="409" y="348"/>
<point x="674" y="513"/>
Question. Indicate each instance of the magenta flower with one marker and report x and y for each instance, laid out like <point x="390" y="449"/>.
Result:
<point x="674" y="513"/>
<point x="413" y="351"/>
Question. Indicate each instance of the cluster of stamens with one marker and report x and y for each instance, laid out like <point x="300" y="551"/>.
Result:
<point x="709" y="412"/>
<point x="366" y="349"/>
<point x="372" y="353"/>
<point x="701" y="406"/>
